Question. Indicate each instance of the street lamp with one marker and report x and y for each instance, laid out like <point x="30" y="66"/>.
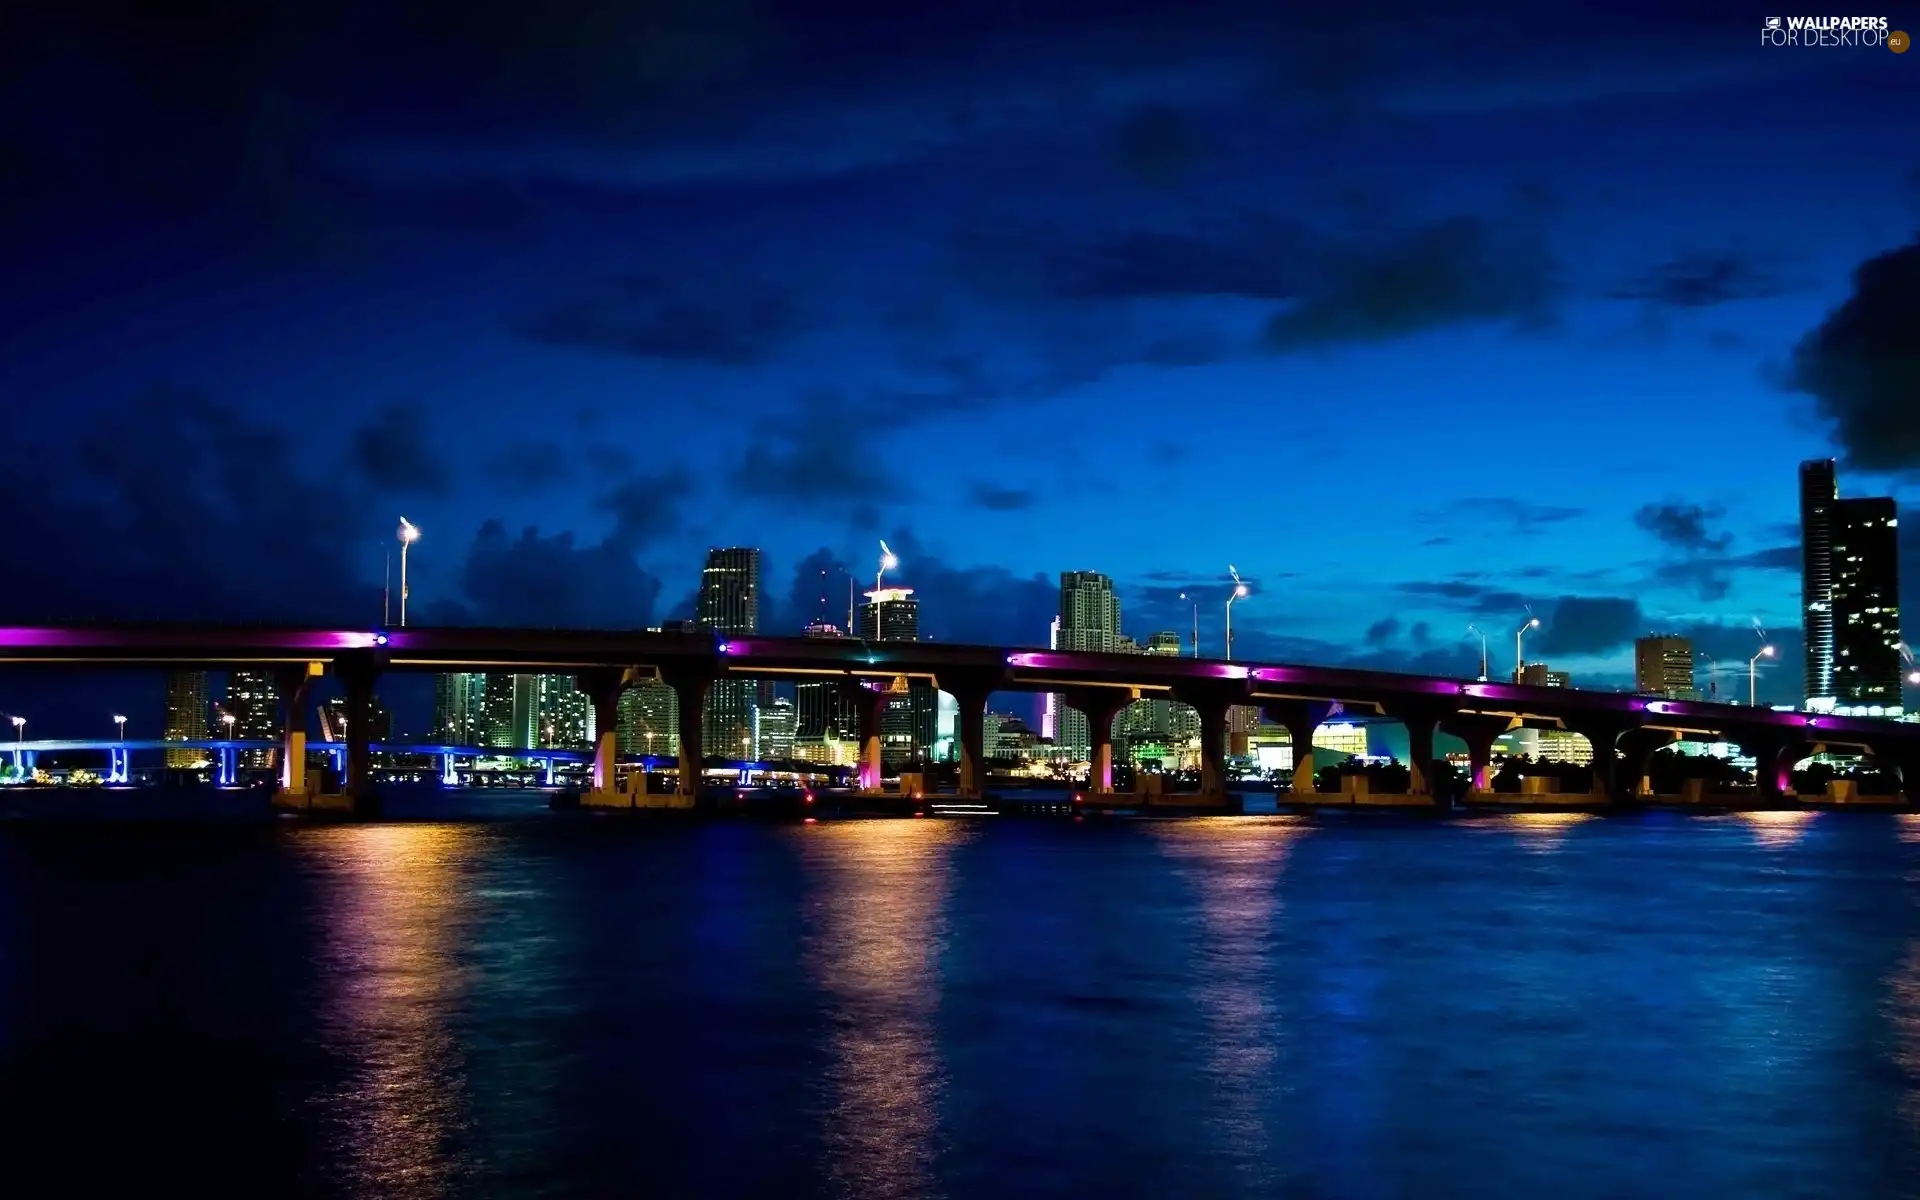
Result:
<point x="1196" y="622"/>
<point x="409" y="534"/>
<point x="1519" y="649"/>
<point x="1753" y="674"/>
<point x="120" y="726"/>
<point x="1475" y="630"/>
<point x="19" y="729"/>
<point x="1239" y="590"/>
<point x="1713" y="676"/>
<point x="229" y="718"/>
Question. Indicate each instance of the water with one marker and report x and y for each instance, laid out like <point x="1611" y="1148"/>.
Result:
<point x="564" y="1005"/>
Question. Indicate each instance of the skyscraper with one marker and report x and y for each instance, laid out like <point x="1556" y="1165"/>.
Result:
<point x="730" y="603"/>
<point x="1866" y="606"/>
<point x="254" y="700"/>
<point x="459" y="708"/>
<point x="566" y="714"/>
<point x="186" y="716"/>
<point x="1849" y="595"/>
<point x="773" y="736"/>
<point x="650" y="720"/>
<point x="1819" y="492"/>
<point x="1663" y="666"/>
<point x="511" y="706"/>
<point x="1089" y="620"/>
<point x="909" y="726"/>
<point x="820" y="709"/>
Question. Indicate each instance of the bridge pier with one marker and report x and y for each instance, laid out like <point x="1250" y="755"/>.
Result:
<point x="870" y="707"/>
<point x="1604" y="737"/>
<point x="1212" y="708"/>
<point x="1300" y="718"/>
<point x="1773" y="759"/>
<point x="690" y="690"/>
<point x="1479" y="731"/>
<point x="1637" y="747"/>
<point x="291" y="684"/>
<point x="226" y="766"/>
<point x="449" y="777"/>
<point x="970" y="697"/>
<point x="119" y="765"/>
<point x="1100" y="706"/>
<point x="603" y="688"/>
<point x="357" y="672"/>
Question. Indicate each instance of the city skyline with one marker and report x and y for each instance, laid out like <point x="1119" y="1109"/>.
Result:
<point x="1504" y="368"/>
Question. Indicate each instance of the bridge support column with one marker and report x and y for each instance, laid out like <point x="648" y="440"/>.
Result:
<point x="226" y="766"/>
<point x="1301" y="718"/>
<point x="1773" y="759"/>
<point x="1479" y="731"/>
<point x="449" y="777"/>
<point x="1100" y="706"/>
<point x="119" y="765"/>
<point x="1213" y="745"/>
<point x="1605" y="739"/>
<point x="870" y="707"/>
<point x="292" y="684"/>
<point x="357" y="673"/>
<point x="971" y="700"/>
<point x="1637" y="747"/>
<point x="603" y="688"/>
<point x="690" y="693"/>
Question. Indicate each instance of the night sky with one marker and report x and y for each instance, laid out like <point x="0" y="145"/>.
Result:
<point x="1422" y="316"/>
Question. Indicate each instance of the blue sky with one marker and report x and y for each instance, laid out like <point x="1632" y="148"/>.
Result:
<point x="1435" y="316"/>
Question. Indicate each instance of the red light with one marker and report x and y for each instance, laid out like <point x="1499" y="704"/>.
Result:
<point x="811" y="821"/>
<point x="1076" y="797"/>
<point x="809" y="797"/>
<point x="919" y="814"/>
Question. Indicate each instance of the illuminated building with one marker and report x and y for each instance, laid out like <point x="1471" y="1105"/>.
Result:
<point x="773" y="731"/>
<point x="1663" y="666"/>
<point x="565" y="713"/>
<point x="511" y="704"/>
<point x="1159" y="726"/>
<point x="1538" y="675"/>
<point x="186" y="716"/>
<point x="254" y="701"/>
<point x="1089" y="621"/>
<point x="821" y="709"/>
<point x="1849" y="596"/>
<point x="650" y="720"/>
<point x="909" y="724"/>
<point x="333" y="721"/>
<point x="729" y="602"/>
<point x="459" y="708"/>
<point x="1272" y="747"/>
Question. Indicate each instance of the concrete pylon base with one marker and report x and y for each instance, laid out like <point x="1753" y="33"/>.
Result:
<point x="333" y="803"/>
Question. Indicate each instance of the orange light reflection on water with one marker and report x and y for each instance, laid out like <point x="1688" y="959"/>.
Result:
<point x="1544" y="833"/>
<point x="872" y="945"/>
<point x="390" y="910"/>
<point x="1778" y="830"/>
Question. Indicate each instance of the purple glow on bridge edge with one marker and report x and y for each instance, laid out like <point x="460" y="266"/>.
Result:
<point x="1042" y="660"/>
<point x="29" y="637"/>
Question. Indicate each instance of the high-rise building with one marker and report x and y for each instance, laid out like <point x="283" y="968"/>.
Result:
<point x="730" y="603"/>
<point x="511" y="704"/>
<point x="254" y="700"/>
<point x="186" y="716"/>
<point x="821" y="709"/>
<point x="566" y="713"/>
<point x="1850" y="596"/>
<point x="1819" y="492"/>
<point x="1539" y="675"/>
<point x="1866" y="606"/>
<point x="773" y="736"/>
<point x="909" y="726"/>
<point x="650" y="720"/>
<point x="1663" y="666"/>
<point x="1089" y="621"/>
<point x="333" y="721"/>
<point x="459" y="709"/>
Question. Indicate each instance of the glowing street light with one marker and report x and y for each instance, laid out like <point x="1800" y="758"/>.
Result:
<point x="229" y="719"/>
<point x="409" y="534"/>
<point x="1196" y="622"/>
<point x="1239" y="590"/>
<point x="1519" y="649"/>
<point x="1713" y="676"/>
<point x="1474" y="630"/>
<point x="120" y="726"/>
<point x="1753" y="674"/>
<point x="19" y="742"/>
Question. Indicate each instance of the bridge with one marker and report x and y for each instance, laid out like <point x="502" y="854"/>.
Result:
<point x="1623" y="729"/>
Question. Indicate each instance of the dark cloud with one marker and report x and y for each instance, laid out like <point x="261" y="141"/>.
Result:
<point x="1701" y="280"/>
<point x="1249" y="256"/>
<point x="1158" y="144"/>
<point x="1862" y="365"/>
<point x="1578" y="625"/>
<point x="528" y="467"/>
<point x="983" y="605"/>
<point x="550" y="580"/>
<point x="1514" y="517"/>
<point x="646" y="319"/>
<point x="1383" y="631"/>
<point x="1467" y="595"/>
<point x="820" y="591"/>
<point x="390" y="452"/>
<point x="1685" y="527"/>
<point x="1000" y="499"/>
<point x="823" y="453"/>
<point x="1456" y="271"/>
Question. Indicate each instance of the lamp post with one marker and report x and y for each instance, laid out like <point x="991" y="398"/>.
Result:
<point x="1239" y="590"/>
<point x="120" y="727"/>
<point x="1753" y="674"/>
<point x="1196" y="622"/>
<point x="1519" y="648"/>
<point x="887" y="563"/>
<point x="19" y="744"/>
<point x="409" y="534"/>
<point x="1713" y="676"/>
<point x="1475" y="631"/>
<point x="229" y="719"/>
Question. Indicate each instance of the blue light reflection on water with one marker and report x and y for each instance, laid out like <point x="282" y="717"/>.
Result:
<point x="559" y="1006"/>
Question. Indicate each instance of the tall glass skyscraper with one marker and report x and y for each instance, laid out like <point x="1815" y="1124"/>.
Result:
<point x="910" y="724"/>
<point x="1850" y="596"/>
<point x="459" y="708"/>
<point x="254" y="701"/>
<point x="730" y="603"/>
<point x="186" y="716"/>
<point x="1089" y="620"/>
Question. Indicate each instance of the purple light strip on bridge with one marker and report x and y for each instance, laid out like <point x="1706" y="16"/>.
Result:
<point x="27" y="637"/>
<point x="1041" y="660"/>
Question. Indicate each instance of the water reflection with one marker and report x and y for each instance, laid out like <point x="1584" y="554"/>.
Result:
<point x="1234" y="865"/>
<point x="1544" y="833"/>
<point x="391" y="919"/>
<point x="1778" y="830"/>
<point x="872" y="945"/>
<point x="1903" y="1020"/>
